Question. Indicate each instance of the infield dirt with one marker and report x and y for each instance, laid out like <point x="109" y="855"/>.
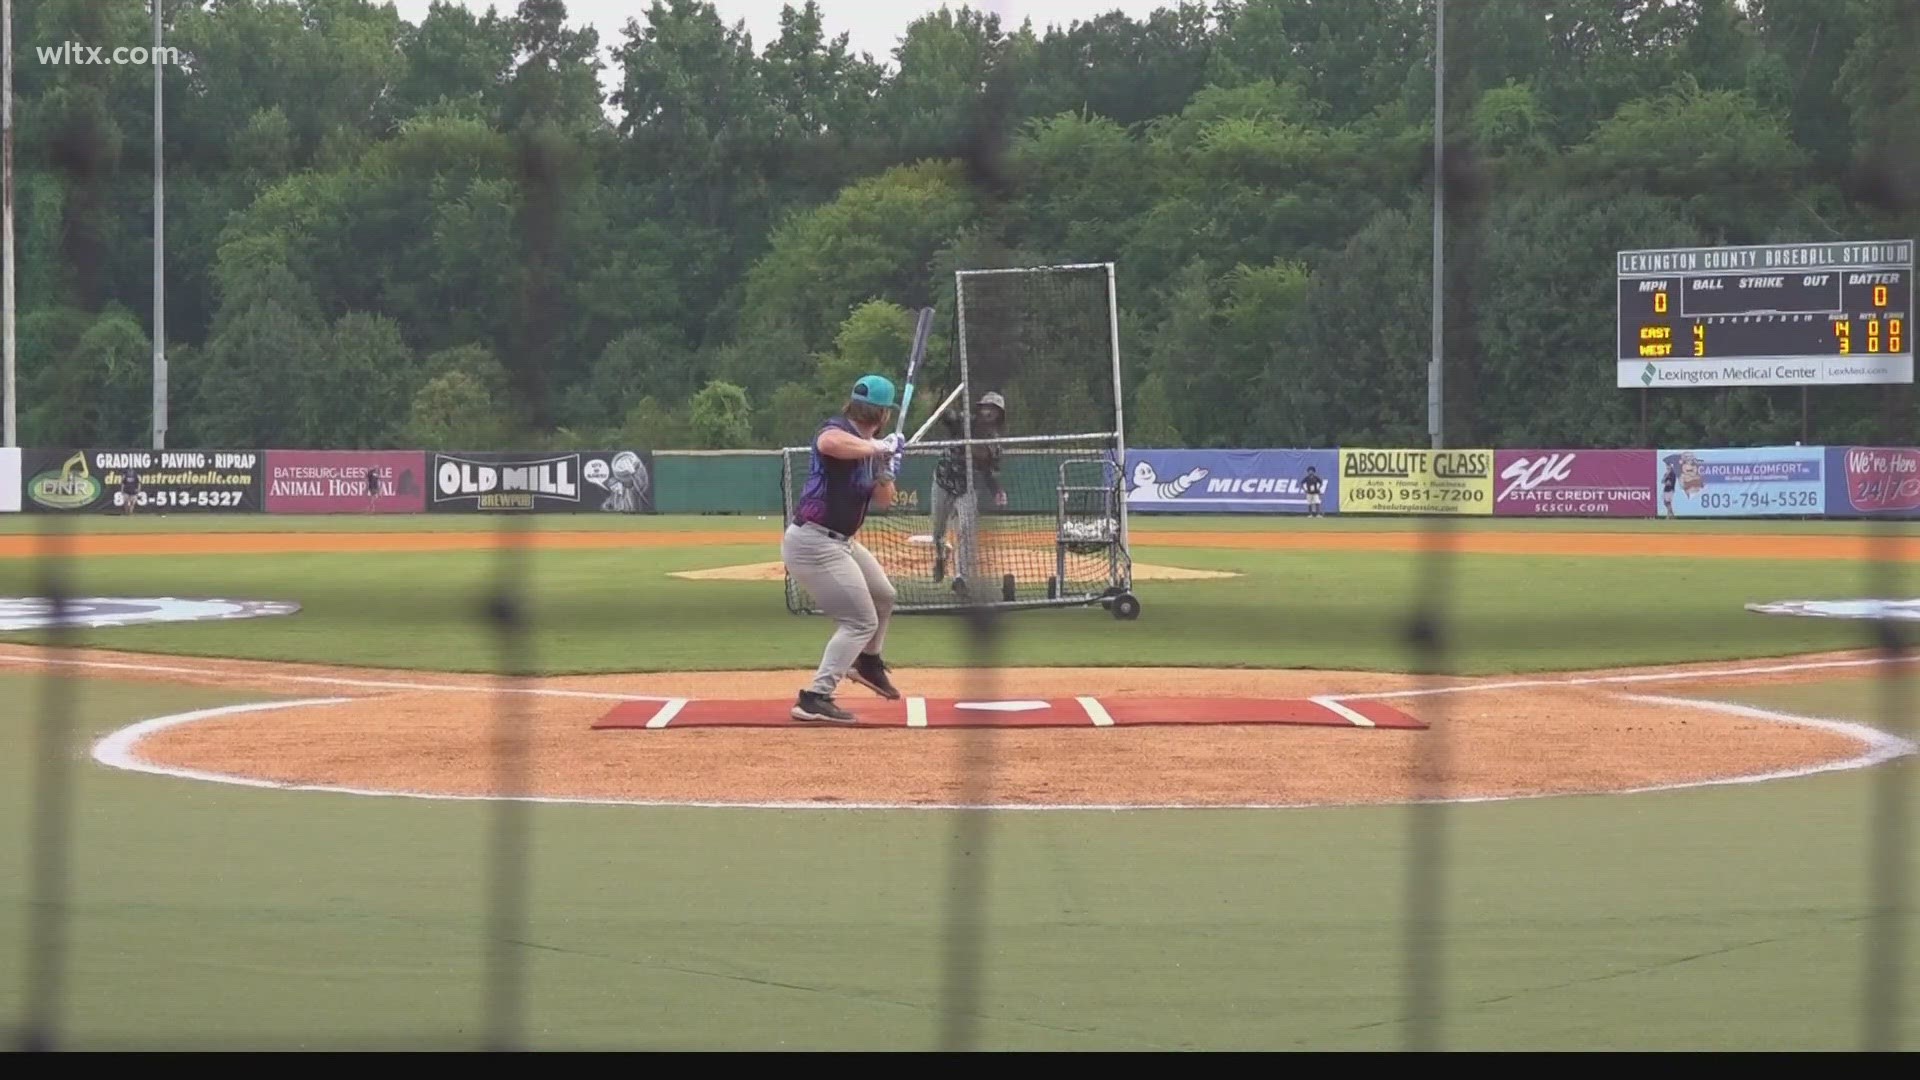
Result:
<point x="430" y="734"/>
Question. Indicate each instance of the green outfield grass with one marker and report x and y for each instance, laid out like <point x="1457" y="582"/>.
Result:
<point x="1718" y="918"/>
<point x="615" y="610"/>
<point x="1726" y="918"/>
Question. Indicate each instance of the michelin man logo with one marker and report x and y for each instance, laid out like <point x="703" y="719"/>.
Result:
<point x="1147" y="486"/>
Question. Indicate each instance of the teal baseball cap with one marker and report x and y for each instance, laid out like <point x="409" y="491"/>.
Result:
<point x="874" y="390"/>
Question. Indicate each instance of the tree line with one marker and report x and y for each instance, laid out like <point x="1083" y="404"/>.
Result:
<point x="492" y="229"/>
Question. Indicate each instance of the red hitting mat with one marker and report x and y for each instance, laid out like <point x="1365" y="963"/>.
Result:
<point x="1015" y="713"/>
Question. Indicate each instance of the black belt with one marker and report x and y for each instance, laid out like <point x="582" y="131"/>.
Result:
<point x="824" y="529"/>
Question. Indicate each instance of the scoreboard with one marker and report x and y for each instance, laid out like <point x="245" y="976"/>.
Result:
<point x="1827" y="314"/>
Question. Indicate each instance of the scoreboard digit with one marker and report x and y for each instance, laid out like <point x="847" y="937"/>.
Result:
<point x="1767" y="315"/>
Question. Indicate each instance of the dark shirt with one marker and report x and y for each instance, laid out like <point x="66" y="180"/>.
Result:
<point x="1313" y="484"/>
<point x="837" y="490"/>
<point x="951" y="472"/>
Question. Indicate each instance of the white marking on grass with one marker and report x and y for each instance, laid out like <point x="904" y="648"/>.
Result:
<point x="667" y="712"/>
<point x="1333" y="705"/>
<point x="1096" y="712"/>
<point x="916" y="712"/>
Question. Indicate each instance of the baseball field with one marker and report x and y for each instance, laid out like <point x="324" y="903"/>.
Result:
<point x="1657" y="817"/>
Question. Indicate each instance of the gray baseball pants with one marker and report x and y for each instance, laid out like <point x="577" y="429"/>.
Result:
<point x="944" y="504"/>
<point x="847" y="583"/>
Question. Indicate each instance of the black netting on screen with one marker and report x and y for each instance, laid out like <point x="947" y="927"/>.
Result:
<point x="1256" y="223"/>
<point x="1046" y="339"/>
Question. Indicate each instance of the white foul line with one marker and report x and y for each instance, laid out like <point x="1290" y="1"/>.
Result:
<point x="1380" y="695"/>
<point x="916" y="712"/>
<point x="1599" y="680"/>
<point x="1096" y="712"/>
<point x="667" y="712"/>
<point x="328" y="680"/>
<point x="1333" y="705"/>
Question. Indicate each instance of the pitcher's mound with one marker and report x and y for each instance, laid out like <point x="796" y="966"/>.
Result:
<point x="773" y="571"/>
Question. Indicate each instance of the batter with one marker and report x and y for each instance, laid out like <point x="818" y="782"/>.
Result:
<point x="848" y="470"/>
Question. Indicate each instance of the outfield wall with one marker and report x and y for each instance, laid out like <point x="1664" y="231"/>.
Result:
<point x="1744" y="482"/>
<point x="9" y="480"/>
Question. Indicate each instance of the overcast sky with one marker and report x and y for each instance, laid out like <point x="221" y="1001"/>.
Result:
<point x="875" y="25"/>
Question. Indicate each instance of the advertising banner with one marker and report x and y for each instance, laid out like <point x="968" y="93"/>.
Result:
<point x="154" y="481"/>
<point x="615" y="482"/>
<point x="1229" y="481"/>
<point x="336" y="481"/>
<point x="1749" y="482"/>
<point x="1574" y="483"/>
<point x="1873" y="481"/>
<point x="1416" y="482"/>
<point x="9" y="479"/>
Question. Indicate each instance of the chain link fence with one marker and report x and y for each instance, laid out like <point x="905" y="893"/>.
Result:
<point x="443" y="241"/>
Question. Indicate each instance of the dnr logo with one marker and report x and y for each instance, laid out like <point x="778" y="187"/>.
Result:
<point x="72" y="487"/>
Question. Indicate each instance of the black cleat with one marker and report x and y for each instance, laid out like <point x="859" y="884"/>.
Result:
<point x="871" y="672"/>
<point x="818" y="707"/>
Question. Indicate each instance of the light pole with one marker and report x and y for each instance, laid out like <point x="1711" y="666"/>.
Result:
<point x="6" y="213"/>
<point x="1435" y="366"/>
<point x="159" y="249"/>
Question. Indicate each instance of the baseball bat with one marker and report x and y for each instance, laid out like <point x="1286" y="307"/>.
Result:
<point x="920" y="334"/>
<point x="935" y="415"/>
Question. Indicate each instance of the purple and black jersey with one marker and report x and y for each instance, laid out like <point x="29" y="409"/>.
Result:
<point x="837" y="490"/>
